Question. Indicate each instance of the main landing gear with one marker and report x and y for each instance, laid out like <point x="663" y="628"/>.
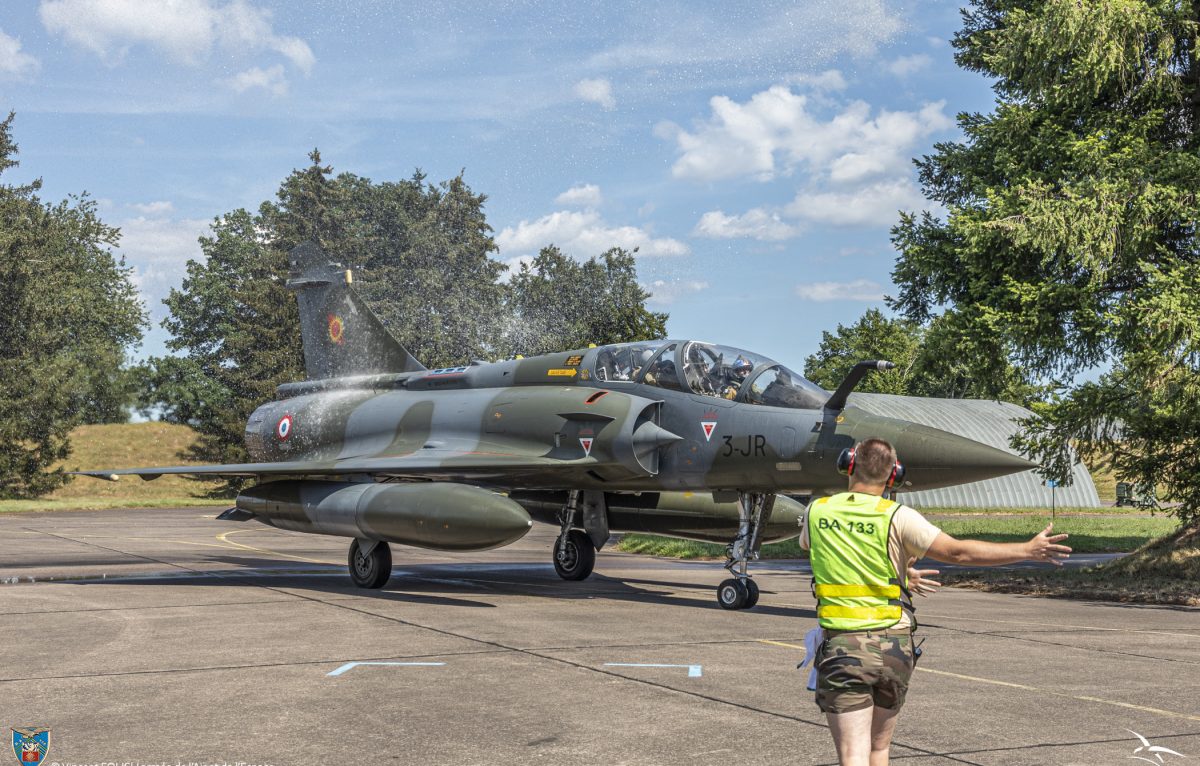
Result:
<point x="370" y="563"/>
<point x="739" y="591"/>
<point x="574" y="554"/>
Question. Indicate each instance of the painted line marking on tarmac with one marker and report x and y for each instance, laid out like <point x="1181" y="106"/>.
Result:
<point x="694" y="671"/>
<point x="1038" y="690"/>
<point x="350" y="665"/>
<point x="1081" y="697"/>
<point x="1042" y="624"/>
<point x="780" y="643"/>
<point x="1060" y="625"/>
<point x="224" y="537"/>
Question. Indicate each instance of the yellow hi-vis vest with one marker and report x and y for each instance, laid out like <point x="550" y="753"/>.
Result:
<point x="856" y="584"/>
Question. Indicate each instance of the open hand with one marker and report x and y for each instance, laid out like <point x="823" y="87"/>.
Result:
<point x="919" y="580"/>
<point x="1044" y="547"/>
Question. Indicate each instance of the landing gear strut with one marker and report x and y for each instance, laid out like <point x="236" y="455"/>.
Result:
<point x="574" y="554"/>
<point x="370" y="563"/>
<point x="739" y="591"/>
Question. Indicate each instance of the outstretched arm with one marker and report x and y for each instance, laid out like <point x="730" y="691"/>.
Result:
<point x="1042" y="547"/>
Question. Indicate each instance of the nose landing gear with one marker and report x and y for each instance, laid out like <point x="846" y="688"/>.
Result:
<point x="574" y="553"/>
<point x="739" y="591"/>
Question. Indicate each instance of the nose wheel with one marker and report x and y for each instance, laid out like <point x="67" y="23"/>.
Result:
<point x="737" y="594"/>
<point x="739" y="591"/>
<point x="574" y="557"/>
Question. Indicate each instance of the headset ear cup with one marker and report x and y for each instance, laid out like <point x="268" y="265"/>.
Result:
<point x="845" y="462"/>
<point x="897" y="474"/>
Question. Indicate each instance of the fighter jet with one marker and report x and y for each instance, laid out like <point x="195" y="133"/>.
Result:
<point x="673" y="437"/>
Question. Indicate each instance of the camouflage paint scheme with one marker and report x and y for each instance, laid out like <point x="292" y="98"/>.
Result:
<point x="465" y="449"/>
<point x="858" y="670"/>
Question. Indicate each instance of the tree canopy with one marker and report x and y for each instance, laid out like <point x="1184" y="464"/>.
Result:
<point x="68" y="310"/>
<point x="557" y="302"/>
<point x="1069" y="246"/>
<point x="926" y="357"/>
<point x="421" y="256"/>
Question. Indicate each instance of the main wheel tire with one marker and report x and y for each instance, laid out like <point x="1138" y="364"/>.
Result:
<point x="752" y="597"/>
<point x="576" y="557"/>
<point x="370" y="570"/>
<point x="733" y="594"/>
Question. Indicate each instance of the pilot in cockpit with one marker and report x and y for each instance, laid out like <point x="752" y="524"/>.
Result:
<point x="639" y="358"/>
<point x="738" y="371"/>
<point x="663" y="374"/>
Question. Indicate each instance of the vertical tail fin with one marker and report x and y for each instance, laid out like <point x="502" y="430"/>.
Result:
<point x="341" y="335"/>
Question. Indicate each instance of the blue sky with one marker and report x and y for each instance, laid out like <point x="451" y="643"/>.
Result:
<point x="756" y="153"/>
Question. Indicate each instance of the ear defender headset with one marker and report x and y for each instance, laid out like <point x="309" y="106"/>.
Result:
<point x="845" y="466"/>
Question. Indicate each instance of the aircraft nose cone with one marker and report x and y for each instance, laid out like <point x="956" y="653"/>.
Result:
<point x="935" y="458"/>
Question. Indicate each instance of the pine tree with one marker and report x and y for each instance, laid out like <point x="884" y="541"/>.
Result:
<point x="1070" y="243"/>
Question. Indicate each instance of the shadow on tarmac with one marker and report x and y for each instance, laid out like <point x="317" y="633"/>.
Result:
<point x="438" y="584"/>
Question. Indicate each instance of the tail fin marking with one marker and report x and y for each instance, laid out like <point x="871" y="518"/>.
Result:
<point x="340" y="333"/>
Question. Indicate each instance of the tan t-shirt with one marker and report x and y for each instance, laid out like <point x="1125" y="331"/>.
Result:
<point x="911" y="535"/>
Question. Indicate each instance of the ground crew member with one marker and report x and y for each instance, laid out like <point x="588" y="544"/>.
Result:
<point x="859" y="542"/>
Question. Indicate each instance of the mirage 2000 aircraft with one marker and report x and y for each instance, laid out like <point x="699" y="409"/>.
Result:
<point x="672" y="437"/>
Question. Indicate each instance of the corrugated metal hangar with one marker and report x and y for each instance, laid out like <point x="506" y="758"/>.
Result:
<point x="992" y="423"/>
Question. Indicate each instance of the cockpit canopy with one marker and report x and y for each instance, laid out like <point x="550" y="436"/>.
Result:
<point x="708" y="370"/>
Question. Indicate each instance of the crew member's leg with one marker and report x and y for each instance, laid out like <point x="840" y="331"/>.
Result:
<point x="883" y="724"/>
<point x="889" y="691"/>
<point x="846" y="671"/>
<point x="852" y="737"/>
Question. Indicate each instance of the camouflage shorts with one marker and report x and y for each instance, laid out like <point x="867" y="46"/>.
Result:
<point x="859" y="670"/>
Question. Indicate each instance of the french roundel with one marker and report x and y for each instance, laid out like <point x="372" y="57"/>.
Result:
<point x="284" y="428"/>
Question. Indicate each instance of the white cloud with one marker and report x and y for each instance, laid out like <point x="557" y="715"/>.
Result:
<point x="829" y="80"/>
<point x="909" y="65"/>
<point x="858" y="290"/>
<point x="159" y="207"/>
<point x="598" y="91"/>
<point x="776" y="131"/>
<point x="184" y="30"/>
<point x="582" y="234"/>
<point x="756" y="223"/>
<point x="271" y="80"/>
<point x="158" y="248"/>
<point x="14" y="63"/>
<point x="666" y="292"/>
<point x="657" y="36"/>
<point x="873" y="205"/>
<point x="584" y="195"/>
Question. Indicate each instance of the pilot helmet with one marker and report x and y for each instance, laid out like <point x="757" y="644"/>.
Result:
<point x="742" y="366"/>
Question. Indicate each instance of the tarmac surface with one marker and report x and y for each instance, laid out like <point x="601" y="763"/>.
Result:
<point x="166" y="637"/>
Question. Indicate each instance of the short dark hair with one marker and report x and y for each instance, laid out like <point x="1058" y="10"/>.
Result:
<point x="874" y="460"/>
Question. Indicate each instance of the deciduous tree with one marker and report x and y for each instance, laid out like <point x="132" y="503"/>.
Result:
<point x="68" y="310"/>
